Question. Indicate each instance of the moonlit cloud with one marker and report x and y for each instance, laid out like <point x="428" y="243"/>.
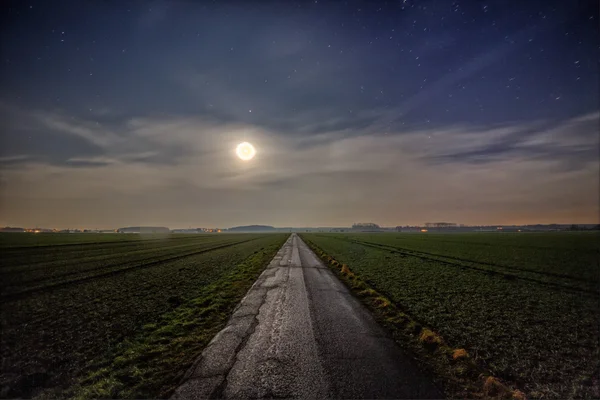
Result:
<point x="392" y="179"/>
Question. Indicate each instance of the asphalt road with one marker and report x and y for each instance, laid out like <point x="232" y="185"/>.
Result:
<point x="299" y="333"/>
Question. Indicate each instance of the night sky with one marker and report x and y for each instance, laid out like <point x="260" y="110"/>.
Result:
<point x="118" y="113"/>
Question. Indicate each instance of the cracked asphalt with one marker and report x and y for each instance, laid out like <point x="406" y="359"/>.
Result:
<point x="299" y="333"/>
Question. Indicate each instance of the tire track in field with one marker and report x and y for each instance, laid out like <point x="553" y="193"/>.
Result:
<point x="108" y="258"/>
<point x="55" y="264"/>
<point x="504" y="275"/>
<point x="517" y="269"/>
<point x="47" y="246"/>
<point x="428" y="257"/>
<point x="37" y="318"/>
<point x="518" y="246"/>
<point x="16" y="253"/>
<point x="27" y="292"/>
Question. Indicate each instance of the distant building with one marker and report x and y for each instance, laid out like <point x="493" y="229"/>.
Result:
<point x="189" y="230"/>
<point x="408" y="228"/>
<point x="251" y="228"/>
<point x="144" y="229"/>
<point x="40" y="230"/>
<point x="11" y="229"/>
<point x="440" y="225"/>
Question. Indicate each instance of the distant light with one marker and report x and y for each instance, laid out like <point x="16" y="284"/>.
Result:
<point x="423" y="230"/>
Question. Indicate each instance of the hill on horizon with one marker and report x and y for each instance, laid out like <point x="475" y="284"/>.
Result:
<point x="251" y="228"/>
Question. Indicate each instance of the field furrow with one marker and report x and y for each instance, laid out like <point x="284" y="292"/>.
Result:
<point x="551" y="280"/>
<point x="103" y="271"/>
<point x="21" y="258"/>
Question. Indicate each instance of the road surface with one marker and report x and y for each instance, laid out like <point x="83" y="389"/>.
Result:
<point x="299" y="333"/>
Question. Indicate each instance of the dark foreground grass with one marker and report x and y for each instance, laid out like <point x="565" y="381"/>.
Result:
<point x="482" y="330"/>
<point x="151" y="364"/>
<point x="109" y="320"/>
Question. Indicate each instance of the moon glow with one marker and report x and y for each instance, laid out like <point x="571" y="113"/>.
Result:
<point x="245" y="151"/>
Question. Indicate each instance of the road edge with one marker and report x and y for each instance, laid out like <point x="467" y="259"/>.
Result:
<point x="203" y="379"/>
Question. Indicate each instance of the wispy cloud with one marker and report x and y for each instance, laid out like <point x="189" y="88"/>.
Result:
<point x="468" y="174"/>
<point x="17" y="158"/>
<point x="89" y="131"/>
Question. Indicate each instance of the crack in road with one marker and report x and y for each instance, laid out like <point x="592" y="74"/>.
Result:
<point x="223" y="386"/>
<point x="218" y="381"/>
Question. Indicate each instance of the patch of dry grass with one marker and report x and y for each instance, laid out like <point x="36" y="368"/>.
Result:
<point x="518" y="395"/>
<point x="381" y="302"/>
<point x="430" y="339"/>
<point x="459" y="354"/>
<point x="493" y="388"/>
<point x="346" y="271"/>
<point x="367" y="293"/>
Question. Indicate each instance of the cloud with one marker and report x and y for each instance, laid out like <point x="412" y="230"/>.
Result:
<point x="509" y="174"/>
<point x="14" y="159"/>
<point x="87" y="130"/>
<point x="566" y="144"/>
<point x="59" y="138"/>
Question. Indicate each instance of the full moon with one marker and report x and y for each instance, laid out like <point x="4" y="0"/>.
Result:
<point x="245" y="151"/>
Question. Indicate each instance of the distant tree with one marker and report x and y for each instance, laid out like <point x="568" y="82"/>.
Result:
<point x="365" y="225"/>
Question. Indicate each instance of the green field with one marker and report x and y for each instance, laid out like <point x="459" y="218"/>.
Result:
<point x="525" y="306"/>
<point x="117" y="315"/>
<point x="10" y="240"/>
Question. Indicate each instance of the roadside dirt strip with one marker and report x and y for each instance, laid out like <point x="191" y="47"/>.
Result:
<point x="299" y="333"/>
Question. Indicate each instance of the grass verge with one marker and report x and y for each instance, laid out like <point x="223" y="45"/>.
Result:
<point x="151" y="364"/>
<point x="457" y="371"/>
